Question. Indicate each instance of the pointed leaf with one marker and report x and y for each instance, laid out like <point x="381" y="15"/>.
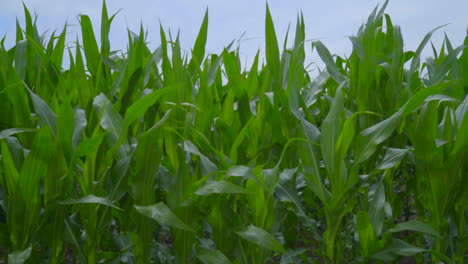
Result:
<point x="91" y="199"/>
<point x="44" y="112"/>
<point x="213" y="187"/>
<point x="397" y="248"/>
<point x="414" y="225"/>
<point x="12" y="131"/>
<point x="392" y="157"/>
<point x="262" y="238"/>
<point x="209" y="256"/>
<point x="19" y="257"/>
<point x="163" y="215"/>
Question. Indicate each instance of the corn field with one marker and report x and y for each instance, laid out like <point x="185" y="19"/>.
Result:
<point x="164" y="156"/>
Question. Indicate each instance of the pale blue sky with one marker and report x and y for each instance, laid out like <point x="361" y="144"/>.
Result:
<point x="330" y="21"/>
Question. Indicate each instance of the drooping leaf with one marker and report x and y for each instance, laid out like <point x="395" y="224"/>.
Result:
<point x="377" y="208"/>
<point x="19" y="257"/>
<point x="262" y="238"/>
<point x="44" y="112"/>
<point x="12" y="131"/>
<point x="218" y="187"/>
<point x="414" y="225"/>
<point x="395" y="249"/>
<point x="163" y="215"/>
<point x="209" y="256"/>
<point x="392" y="157"/>
<point x="91" y="199"/>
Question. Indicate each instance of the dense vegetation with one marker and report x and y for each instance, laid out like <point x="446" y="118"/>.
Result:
<point x="163" y="157"/>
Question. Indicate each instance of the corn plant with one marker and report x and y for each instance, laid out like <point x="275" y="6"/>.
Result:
<point x="166" y="156"/>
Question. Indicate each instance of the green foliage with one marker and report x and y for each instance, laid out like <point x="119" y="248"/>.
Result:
<point x="165" y="157"/>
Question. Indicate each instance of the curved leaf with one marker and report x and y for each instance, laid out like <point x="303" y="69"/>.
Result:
<point x="262" y="238"/>
<point x="163" y="215"/>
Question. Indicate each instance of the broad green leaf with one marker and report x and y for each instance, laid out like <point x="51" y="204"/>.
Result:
<point x="262" y="238"/>
<point x="395" y="249"/>
<point x="139" y="107"/>
<point x="163" y="215"/>
<point x="417" y="99"/>
<point x="377" y="208"/>
<point x="111" y="121"/>
<point x="271" y="45"/>
<point x="19" y="257"/>
<point x="310" y="159"/>
<point x="461" y="111"/>
<point x="287" y="194"/>
<point x="213" y="187"/>
<point x="414" y="225"/>
<point x="88" y="146"/>
<point x="373" y="136"/>
<point x="415" y="63"/>
<point x="21" y="59"/>
<point x="327" y="58"/>
<point x="239" y="171"/>
<point x="366" y="233"/>
<point x="209" y="256"/>
<point x="91" y="199"/>
<point x="291" y="257"/>
<point x="44" y="112"/>
<point x="207" y="165"/>
<point x="136" y="111"/>
<point x="79" y="126"/>
<point x="199" y="48"/>
<point x="12" y="131"/>
<point x="330" y="132"/>
<point x="392" y="157"/>
<point x="9" y="170"/>
<point x="89" y="44"/>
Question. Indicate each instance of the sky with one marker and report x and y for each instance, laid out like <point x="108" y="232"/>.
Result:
<point x="330" y="21"/>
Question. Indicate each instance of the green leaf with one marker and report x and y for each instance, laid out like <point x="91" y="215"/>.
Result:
<point x="461" y="111"/>
<point x="19" y="257"/>
<point x="91" y="199"/>
<point x="88" y="146"/>
<point x="327" y="58"/>
<point x="139" y="107"/>
<point x="209" y="256"/>
<point x="44" y="112"/>
<point x="12" y="131"/>
<point x="207" y="165"/>
<point x="163" y="215"/>
<point x="415" y="62"/>
<point x="366" y="232"/>
<point x="377" y="208"/>
<point x="21" y="58"/>
<point x="291" y="257"/>
<point x="90" y="44"/>
<point x="137" y="110"/>
<point x="79" y="126"/>
<point x="330" y="132"/>
<point x="392" y="157"/>
<point x="373" y="136"/>
<point x="271" y="45"/>
<point x="414" y="225"/>
<point x="310" y="159"/>
<point x="395" y="249"/>
<point x="111" y="121"/>
<point x="241" y="171"/>
<point x="418" y="99"/>
<point x="213" y="187"/>
<point x="199" y="48"/>
<point x="262" y="238"/>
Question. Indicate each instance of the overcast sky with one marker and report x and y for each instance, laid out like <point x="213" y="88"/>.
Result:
<point x="330" y="21"/>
